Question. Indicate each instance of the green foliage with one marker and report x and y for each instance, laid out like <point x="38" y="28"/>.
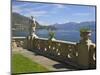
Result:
<point x="85" y="29"/>
<point x="21" y="64"/>
<point x="51" y="34"/>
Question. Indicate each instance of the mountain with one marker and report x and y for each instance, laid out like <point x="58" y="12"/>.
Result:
<point x="89" y="24"/>
<point x="76" y="26"/>
<point x="24" y="21"/>
<point x="68" y="26"/>
<point x="20" y="19"/>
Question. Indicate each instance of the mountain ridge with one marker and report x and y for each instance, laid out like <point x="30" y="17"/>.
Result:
<point x="76" y="26"/>
<point x="21" y="19"/>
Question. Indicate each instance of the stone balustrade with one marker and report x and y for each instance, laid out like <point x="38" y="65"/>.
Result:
<point x="18" y="42"/>
<point x="80" y="55"/>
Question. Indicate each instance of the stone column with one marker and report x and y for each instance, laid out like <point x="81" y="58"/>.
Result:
<point x="83" y="47"/>
<point x="28" y="42"/>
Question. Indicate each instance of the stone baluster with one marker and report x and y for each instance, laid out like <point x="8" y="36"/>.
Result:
<point x="84" y="46"/>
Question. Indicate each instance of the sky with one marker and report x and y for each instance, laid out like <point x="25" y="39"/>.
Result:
<point x="48" y="14"/>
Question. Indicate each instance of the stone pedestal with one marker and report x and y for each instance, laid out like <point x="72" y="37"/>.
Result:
<point x="14" y="44"/>
<point x="84" y="47"/>
<point x="28" y="42"/>
<point x="83" y="54"/>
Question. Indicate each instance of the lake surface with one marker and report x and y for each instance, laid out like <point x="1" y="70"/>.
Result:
<point x="66" y="35"/>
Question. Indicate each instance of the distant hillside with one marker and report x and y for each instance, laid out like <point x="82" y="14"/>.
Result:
<point x="20" y="19"/>
<point x="76" y="26"/>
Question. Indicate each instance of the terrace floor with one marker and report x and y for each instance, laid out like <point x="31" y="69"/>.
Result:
<point x="50" y="64"/>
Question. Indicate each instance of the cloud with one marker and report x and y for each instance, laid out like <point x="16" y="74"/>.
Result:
<point x="43" y="23"/>
<point x="28" y="6"/>
<point x="82" y="14"/>
<point x="34" y="8"/>
<point x="36" y="13"/>
<point x="31" y="9"/>
<point x="20" y="6"/>
<point x="60" y="6"/>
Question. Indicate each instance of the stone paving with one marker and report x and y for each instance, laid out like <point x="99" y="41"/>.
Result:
<point x="44" y="61"/>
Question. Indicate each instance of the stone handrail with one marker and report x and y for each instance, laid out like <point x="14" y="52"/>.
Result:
<point x="75" y="54"/>
<point x="63" y="49"/>
<point x="18" y="42"/>
<point x="80" y="55"/>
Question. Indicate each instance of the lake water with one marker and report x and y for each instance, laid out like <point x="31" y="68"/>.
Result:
<point x="65" y="35"/>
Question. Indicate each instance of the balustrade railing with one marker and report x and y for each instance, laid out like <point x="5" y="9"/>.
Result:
<point x="81" y="55"/>
<point x="63" y="50"/>
<point x="72" y="53"/>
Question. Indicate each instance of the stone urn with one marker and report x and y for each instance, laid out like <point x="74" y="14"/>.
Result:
<point x="85" y="34"/>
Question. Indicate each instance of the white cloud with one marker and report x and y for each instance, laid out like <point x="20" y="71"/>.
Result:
<point x="36" y="13"/>
<point x="25" y="7"/>
<point x="59" y="6"/>
<point x="20" y="6"/>
<point x="81" y="14"/>
<point x="29" y="11"/>
<point x="43" y="23"/>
